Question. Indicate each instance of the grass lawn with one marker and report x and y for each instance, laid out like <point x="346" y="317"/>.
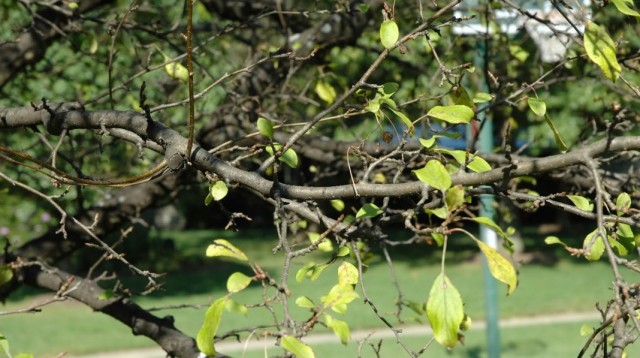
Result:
<point x="565" y="287"/>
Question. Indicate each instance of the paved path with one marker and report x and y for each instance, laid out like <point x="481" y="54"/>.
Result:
<point x="231" y="347"/>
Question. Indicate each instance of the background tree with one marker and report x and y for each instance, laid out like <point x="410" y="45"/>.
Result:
<point x="330" y="114"/>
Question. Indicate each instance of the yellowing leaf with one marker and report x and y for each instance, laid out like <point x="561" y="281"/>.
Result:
<point x="297" y="348"/>
<point x="222" y="247"/>
<point x="325" y="91"/>
<point x="176" y="70"/>
<point x="454" y="197"/>
<point x="347" y="274"/>
<point x="452" y="114"/>
<point x="601" y="50"/>
<point x="389" y="33"/>
<point x="445" y="311"/>
<point x="237" y="282"/>
<point x="207" y="332"/>
<point x="435" y="175"/>
<point x="500" y="267"/>
<point x="339" y="297"/>
<point x="337" y="204"/>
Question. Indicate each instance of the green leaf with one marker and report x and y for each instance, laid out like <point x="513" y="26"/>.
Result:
<point x="454" y="197"/>
<point x="23" y="355"/>
<point x="389" y="88"/>
<point x="218" y="190"/>
<point x="518" y="53"/>
<point x="315" y="270"/>
<point x="235" y="307"/>
<point x="417" y="307"/>
<point x="302" y="272"/>
<point x="106" y="295"/>
<point x="593" y="250"/>
<point x="476" y="163"/>
<point x="4" y="345"/>
<point x="238" y="282"/>
<point x="347" y="274"/>
<point x="482" y="97"/>
<point x="581" y="202"/>
<point x="325" y="91"/>
<point x="452" y="114"/>
<point x="343" y="251"/>
<point x="289" y="157"/>
<point x="6" y="274"/>
<point x="586" y="330"/>
<point x="623" y="203"/>
<point x="559" y="142"/>
<point x="460" y="96"/>
<point x="339" y="327"/>
<point x="176" y="70"/>
<point x="438" y="238"/>
<point x="623" y="7"/>
<point x="537" y="106"/>
<point x="625" y="242"/>
<point x="551" y="240"/>
<point x="491" y="224"/>
<point x="368" y="211"/>
<point x="389" y="33"/>
<point x="363" y="8"/>
<point x="326" y="245"/>
<point x="207" y="332"/>
<point x="407" y="122"/>
<point x="445" y="311"/>
<point x="337" y="204"/>
<point x="222" y="247"/>
<point x="339" y="297"/>
<point x="440" y="212"/>
<point x="305" y="302"/>
<point x="265" y="127"/>
<point x="601" y="50"/>
<point x="500" y="267"/>
<point x="297" y="348"/>
<point x="428" y="143"/>
<point x="435" y="175"/>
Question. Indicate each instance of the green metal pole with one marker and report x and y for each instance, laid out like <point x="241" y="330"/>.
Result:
<point x="487" y="235"/>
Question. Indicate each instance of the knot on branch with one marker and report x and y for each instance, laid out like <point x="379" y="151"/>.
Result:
<point x="53" y="115"/>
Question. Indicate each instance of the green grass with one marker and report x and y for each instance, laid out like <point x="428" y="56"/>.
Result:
<point x="568" y="286"/>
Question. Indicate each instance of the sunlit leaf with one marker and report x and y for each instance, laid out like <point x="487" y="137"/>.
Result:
<point x="305" y="302"/>
<point x="482" y="97"/>
<point x="4" y="345"/>
<point x="537" y="106"/>
<point x="265" y="127"/>
<point x="339" y="297"/>
<point x="297" y="348"/>
<point x="593" y="246"/>
<point x="601" y="50"/>
<point x="552" y="240"/>
<point x="222" y="247"/>
<point x="559" y="141"/>
<point x="340" y="328"/>
<point x="106" y="295"/>
<point x="428" y="143"/>
<point x="491" y="224"/>
<point x="369" y="210"/>
<point x="500" y="267"/>
<point x="445" y="311"/>
<point x="238" y="282"/>
<point x="218" y="190"/>
<point x="586" y="330"/>
<point x="438" y="238"/>
<point x="289" y="157"/>
<point x="623" y="7"/>
<point x="343" y="251"/>
<point x="623" y="203"/>
<point x="337" y="204"/>
<point x="581" y="202"/>
<point x="389" y="33"/>
<point x="435" y="175"/>
<point x="235" y="307"/>
<point x="466" y="323"/>
<point x="452" y="114"/>
<point x="209" y="327"/>
<point x="347" y="274"/>
<point x="407" y="122"/>
<point x="326" y="245"/>
<point x="476" y="163"/>
<point x="441" y="212"/>
<point x="518" y="53"/>
<point x="176" y="70"/>
<point x="325" y="91"/>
